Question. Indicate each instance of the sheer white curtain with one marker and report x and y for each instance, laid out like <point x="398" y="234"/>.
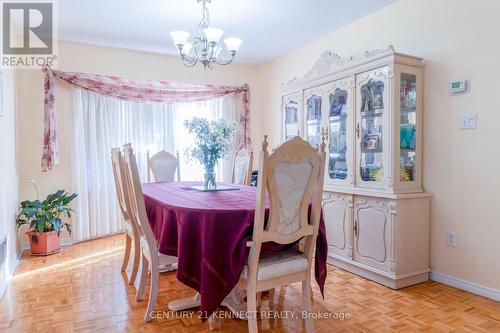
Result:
<point x="100" y="123"/>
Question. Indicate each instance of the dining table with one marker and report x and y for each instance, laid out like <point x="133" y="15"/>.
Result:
<point x="208" y="233"/>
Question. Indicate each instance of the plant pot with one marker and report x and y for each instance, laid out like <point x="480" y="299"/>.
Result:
<point x="46" y="243"/>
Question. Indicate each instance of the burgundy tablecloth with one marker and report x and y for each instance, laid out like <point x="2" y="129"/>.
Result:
<point x="208" y="232"/>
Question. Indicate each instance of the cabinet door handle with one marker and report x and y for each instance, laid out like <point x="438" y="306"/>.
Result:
<point x="355" y="228"/>
<point x="324" y="133"/>
<point x="358" y="130"/>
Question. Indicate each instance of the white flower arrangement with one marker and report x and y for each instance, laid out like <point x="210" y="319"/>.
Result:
<point x="213" y="140"/>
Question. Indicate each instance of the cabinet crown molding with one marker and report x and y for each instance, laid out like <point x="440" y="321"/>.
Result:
<point x="329" y="62"/>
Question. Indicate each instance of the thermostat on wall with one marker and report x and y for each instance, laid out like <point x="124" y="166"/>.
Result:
<point x="457" y="86"/>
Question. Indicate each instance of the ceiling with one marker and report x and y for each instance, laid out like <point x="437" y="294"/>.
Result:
<point x="268" y="28"/>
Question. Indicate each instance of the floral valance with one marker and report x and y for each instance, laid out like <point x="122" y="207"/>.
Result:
<point x="136" y="90"/>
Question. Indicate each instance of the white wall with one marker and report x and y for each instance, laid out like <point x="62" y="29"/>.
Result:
<point x="9" y="198"/>
<point x="461" y="167"/>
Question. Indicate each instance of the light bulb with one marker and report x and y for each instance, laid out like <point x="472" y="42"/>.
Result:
<point x="213" y="34"/>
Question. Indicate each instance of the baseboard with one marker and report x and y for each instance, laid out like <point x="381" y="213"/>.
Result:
<point x="4" y="283"/>
<point x="471" y="287"/>
<point x="65" y="241"/>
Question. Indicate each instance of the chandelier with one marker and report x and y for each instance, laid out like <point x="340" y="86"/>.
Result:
<point x="205" y="47"/>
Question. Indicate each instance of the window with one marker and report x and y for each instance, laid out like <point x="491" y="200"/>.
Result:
<point x="101" y="122"/>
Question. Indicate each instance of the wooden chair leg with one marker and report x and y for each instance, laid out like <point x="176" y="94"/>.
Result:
<point x="259" y="301"/>
<point x="137" y="259"/>
<point x="211" y="323"/>
<point x="153" y="292"/>
<point x="142" y="279"/>
<point x="306" y="296"/>
<point x="252" y="310"/>
<point x="272" y="305"/>
<point x="126" y="256"/>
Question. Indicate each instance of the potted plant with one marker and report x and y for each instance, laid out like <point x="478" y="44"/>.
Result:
<point x="45" y="220"/>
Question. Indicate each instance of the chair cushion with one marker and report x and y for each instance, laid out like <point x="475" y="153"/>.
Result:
<point x="272" y="265"/>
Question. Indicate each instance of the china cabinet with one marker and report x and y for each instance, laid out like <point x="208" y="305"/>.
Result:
<point x="375" y="210"/>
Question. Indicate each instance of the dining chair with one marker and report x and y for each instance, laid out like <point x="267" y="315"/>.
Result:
<point x="151" y="259"/>
<point x="292" y="176"/>
<point x="164" y="166"/>
<point x="131" y="228"/>
<point x="242" y="167"/>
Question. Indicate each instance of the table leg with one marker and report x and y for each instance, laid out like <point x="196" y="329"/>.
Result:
<point x="185" y="303"/>
<point x="232" y="302"/>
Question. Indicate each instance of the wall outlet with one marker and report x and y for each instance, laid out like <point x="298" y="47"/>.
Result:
<point x="452" y="239"/>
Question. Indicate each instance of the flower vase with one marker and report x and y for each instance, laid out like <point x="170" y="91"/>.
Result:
<point x="209" y="183"/>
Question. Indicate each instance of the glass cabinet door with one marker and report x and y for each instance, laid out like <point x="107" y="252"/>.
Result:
<point x="291" y="115"/>
<point x="407" y="126"/>
<point x="313" y="120"/>
<point x="337" y="129"/>
<point x="370" y="130"/>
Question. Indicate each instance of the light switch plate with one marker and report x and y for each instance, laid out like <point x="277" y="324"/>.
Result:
<point x="467" y="120"/>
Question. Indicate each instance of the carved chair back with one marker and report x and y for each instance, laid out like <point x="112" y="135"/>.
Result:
<point x="292" y="177"/>
<point x="242" y="167"/>
<point x="164" y="166"/>
<point x="137" y="207"/>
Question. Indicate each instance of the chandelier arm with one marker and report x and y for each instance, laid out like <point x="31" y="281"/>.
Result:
<point x="189" y="62"/>
<point x="198" y="40"/>
<point x="224" y="62"/>
<point x="186" y="58"/>
<point x="212" y="52"/>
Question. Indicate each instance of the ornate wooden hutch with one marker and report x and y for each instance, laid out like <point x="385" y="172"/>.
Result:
<point x="375" y="210"/>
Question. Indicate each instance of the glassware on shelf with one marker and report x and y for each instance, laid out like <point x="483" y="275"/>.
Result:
<point x="407" y="136"/>
<point x="407" y="168"/>
<point x="291" y="120"/>
<point x="372" y="109"/>
<point x="338" y="100"/>
<point x="371" y="141"/>
<point x="378" y="95"/>
<point x="338" y="141"/>
<point x="408" y="91"/>
<point x="337" y="166"/>
<point x="313" y="120"/>
<point x="407" y="129"/>
<point x="372" y="173"/>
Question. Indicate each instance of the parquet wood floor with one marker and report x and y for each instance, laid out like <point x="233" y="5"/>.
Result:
<point x="81" y="289"/>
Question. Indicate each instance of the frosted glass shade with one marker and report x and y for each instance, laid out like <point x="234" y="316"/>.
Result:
<point x="212" y="34"/>
<point x="187" y="48"/>
<point x="232" y="44"/>
<point x="179" y="37"/>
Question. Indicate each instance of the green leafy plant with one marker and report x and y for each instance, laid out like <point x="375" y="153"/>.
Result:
<point x="46" y="215"/>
